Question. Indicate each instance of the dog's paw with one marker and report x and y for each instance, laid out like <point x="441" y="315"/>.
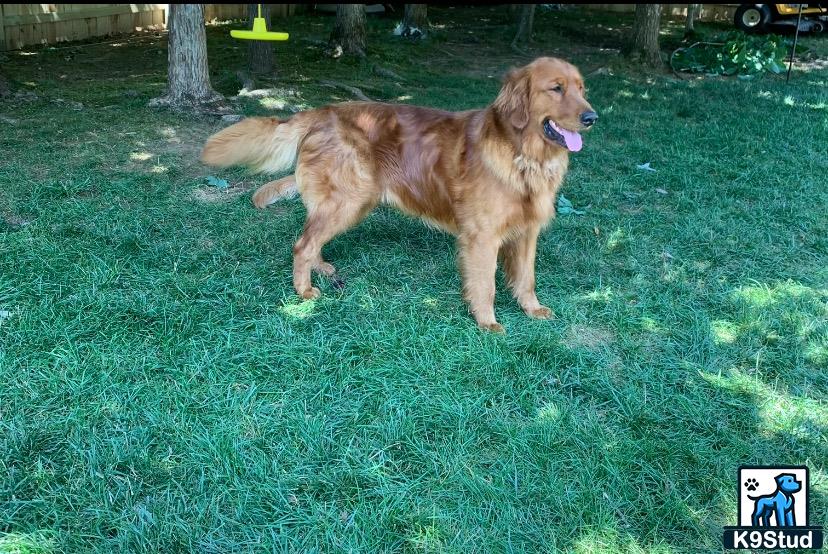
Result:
<point x="493" y="327"/>
<point x="311" y="293"/>
<point x="541" y="313"/>
<point x="751" y="484"/>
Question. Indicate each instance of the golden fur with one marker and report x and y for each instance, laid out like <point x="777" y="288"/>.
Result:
<point x="488" y="176"/>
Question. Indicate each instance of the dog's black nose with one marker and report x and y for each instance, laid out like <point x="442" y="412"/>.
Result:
<point x="588" y="118"/>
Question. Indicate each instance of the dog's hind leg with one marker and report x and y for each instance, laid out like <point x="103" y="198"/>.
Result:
<point x="274" y="191"/>
<point x="756" y="517"/>
<point x="324" y="222"/>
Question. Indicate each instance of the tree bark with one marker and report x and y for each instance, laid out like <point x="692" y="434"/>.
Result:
<point x="5" y="88"/>
<point x="526" y="20"/>
<point x="348" y="35"/>
<point x="187" y="74"/>
<point x="693" y="11"/>
<point x="259" y="52"/>
<point x="642" y="44"/>
<point x="415" y="21"/>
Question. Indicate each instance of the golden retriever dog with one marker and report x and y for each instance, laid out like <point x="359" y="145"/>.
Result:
<point x="489" y="176"/>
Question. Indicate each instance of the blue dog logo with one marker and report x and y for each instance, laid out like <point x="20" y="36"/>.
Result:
<point x="773" y="510"/>
<point x="779" y="503"/>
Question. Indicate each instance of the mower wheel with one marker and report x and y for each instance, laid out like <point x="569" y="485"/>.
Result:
<point x="753" y="18"/>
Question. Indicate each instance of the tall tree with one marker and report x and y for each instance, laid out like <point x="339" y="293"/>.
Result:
<point x="188" y="76"/>
<point x="526" y="19"/>
<point x="642" y="44"/>
<point x="415" y="21"/>
<point x="348" y="35"/>
<point x="259" y="52"/>
<point x="5" y="88"/>
<point x="693" y="11"/>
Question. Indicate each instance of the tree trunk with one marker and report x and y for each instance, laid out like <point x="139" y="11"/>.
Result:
<point x="348" y="35"/>
<point x="693" y="11"/>
<point x="525" y="21"/>
<point x="260" y="52"/>
<point x="5" y="88"/>
<point x="642" y="43"/>
<point x="188" y="75"/>
<point x="415" y="21"/>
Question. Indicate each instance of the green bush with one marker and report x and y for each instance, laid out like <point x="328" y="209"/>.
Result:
<point x="733" y="54"/>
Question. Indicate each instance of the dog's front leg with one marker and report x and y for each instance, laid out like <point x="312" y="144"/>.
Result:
<point x="478" y="263"/>
<point x="519" y="266"/>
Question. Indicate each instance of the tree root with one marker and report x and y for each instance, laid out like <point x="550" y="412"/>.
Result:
<point x="383" y="72"/>
<point x="353" y="90"/>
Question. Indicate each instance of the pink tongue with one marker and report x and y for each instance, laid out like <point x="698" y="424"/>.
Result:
<point x="573" y="140"/>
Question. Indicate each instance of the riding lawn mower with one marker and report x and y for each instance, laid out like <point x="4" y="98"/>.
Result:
<point x="757" y="18"/>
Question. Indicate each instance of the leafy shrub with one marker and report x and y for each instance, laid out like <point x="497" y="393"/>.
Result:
<point x="733" y="54"/>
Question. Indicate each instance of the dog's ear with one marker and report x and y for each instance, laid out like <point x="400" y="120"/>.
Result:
<point x="513" y="100"/>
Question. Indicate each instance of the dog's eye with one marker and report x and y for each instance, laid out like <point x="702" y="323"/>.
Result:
<point x="556" y="88"/>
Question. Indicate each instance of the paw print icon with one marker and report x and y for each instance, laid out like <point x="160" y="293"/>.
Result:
<point x="751" y="484"/>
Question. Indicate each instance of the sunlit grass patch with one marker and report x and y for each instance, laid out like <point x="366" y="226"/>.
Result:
<point x="299" y="310"/>
<point x="25" y="543"/>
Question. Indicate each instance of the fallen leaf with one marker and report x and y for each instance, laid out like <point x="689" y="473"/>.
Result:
<point x="232" y="118"/>
<point x="565" y="207"/>
<point x="596" y="230"/>
<point x="217" y="182"/>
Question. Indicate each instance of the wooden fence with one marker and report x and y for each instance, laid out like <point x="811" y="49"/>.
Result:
<point x="29" y="24"/>
<point x="709" y="12"/>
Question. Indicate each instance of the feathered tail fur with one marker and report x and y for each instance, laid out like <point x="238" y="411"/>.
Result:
<point x="265" y="144"/>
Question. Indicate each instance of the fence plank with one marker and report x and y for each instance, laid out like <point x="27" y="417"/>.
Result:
<point x="3" y="44"/>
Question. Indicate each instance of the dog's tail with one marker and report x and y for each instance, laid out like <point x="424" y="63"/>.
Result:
<point x="261" y="143"/>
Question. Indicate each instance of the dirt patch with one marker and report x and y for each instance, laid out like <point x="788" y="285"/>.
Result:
<point x="588" y="337"/>
<point x="13" y="222"/>
<point x="178" y="148"/>
<point x="212" y="195"/>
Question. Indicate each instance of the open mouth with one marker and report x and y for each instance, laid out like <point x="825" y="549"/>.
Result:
<point x="570" y="140"/>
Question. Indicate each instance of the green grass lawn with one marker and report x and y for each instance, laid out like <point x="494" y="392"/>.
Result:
<point x="164" y="389"/>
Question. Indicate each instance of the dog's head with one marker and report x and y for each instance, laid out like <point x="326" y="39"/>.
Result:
<point x="787" y="483"/>
<point x="547" y="97"/>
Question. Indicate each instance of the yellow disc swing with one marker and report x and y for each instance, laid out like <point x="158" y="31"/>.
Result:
<point x="259" y="31"/>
